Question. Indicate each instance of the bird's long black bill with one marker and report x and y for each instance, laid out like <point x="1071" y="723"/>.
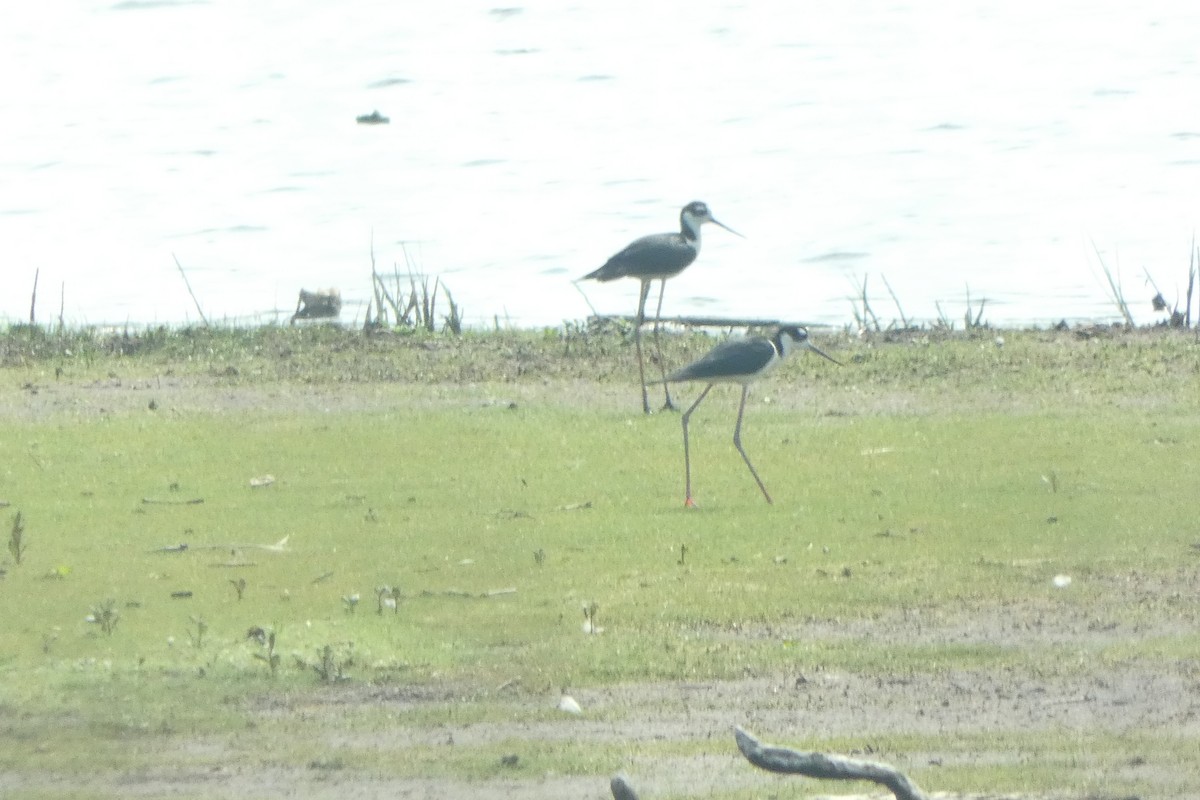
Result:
<point x="810" y="346"/>
<point x="726" y="227"/>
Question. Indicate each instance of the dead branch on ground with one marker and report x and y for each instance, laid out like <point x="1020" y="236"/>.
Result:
<point x="773" y="758"/>
<point x="819" y="765"/>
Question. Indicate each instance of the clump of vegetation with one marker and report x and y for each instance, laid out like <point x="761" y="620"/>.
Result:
<point x="410" y="303"/>
<point x="106" y="615"/>
<point x="387" y="597"/>
<point x="331" y="663"/>
<point x="591" y="610"/>
<point x="972" y="317"/>
<point x="197" y="631"/>
<point x="266" y="640"/>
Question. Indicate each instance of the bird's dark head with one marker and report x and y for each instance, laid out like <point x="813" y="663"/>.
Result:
<point x="696" y="213"/>
<point x="795" y="337"/>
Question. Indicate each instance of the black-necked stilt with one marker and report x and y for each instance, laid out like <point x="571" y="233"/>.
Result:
<point x="656" y="258"/>
<point x="739" y="361"/>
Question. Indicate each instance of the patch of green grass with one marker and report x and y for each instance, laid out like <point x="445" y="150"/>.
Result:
<point x="930" y="479"/>
<point x="948" y="513"/>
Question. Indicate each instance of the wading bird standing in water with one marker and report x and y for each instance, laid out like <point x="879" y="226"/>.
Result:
<point x="738" y="361"/>
<point x="657" y="258"/>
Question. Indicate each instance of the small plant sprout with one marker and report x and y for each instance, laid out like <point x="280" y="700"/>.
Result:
<point x="539" y="557"/>
<point x="590" y="610"/>
<point x="196" y="633"/>
<point x="682" y="554"/>
<point x="239" y="586"/>
<point x="331" y="664"/>
<point x="350" y="602"/>
<point x="266" y="640"/>
<point x="16" y="538"/>
<point x="387" y="597"/>
<point x="105" y="615"/>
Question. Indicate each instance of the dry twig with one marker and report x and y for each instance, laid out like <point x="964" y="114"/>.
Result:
<point x="896" y="300"/>
<point x="188" y="284"/>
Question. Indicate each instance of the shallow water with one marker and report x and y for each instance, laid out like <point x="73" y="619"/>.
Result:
<point x="983" y="149"/>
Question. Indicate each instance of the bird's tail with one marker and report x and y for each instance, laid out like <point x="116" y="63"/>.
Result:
<point x="598" y="275"/>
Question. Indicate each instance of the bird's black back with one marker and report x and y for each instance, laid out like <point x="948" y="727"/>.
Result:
<point x="734" y="361"/>
<point x="654" y="257"/>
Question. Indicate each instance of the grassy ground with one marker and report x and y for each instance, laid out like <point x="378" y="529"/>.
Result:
<point x="899" y="599"/>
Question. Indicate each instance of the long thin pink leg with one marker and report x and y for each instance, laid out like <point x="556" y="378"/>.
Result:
<point x="637" y="339"/>
<point x="687" y="456"/>
<point x="668" y="405"/>
<point x="737" y="442"/>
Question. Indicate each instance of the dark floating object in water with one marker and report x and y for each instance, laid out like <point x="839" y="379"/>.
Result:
<point x="374" y="118"/>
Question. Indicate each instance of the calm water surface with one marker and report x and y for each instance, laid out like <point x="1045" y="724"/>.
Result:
<point x="979" y="147"/>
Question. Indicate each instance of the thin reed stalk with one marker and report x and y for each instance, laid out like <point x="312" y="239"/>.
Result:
<point x="1114" y="287"/>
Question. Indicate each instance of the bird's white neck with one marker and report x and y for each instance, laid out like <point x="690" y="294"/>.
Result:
<point x="785" y="344"/>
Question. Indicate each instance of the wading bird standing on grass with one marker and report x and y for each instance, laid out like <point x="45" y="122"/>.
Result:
<point x="657" y="258"/>
<point x="739" y="361"/>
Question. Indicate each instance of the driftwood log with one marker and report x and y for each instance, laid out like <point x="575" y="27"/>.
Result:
<point x="773" y="758"/>
<point x="819" y="765"/>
